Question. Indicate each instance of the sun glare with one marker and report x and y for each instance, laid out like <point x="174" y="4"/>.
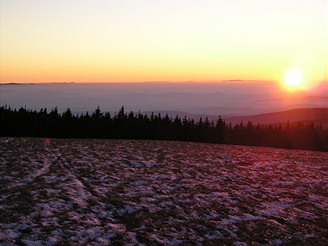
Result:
<point x="293" y="79"/>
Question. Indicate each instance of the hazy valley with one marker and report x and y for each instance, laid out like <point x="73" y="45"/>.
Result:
<point x="228" y="99"/>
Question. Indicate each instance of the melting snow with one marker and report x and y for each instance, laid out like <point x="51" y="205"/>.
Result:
<point x="100" y="192"/>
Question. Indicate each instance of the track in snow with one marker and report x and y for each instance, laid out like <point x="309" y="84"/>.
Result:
<point x="141" y="192"/>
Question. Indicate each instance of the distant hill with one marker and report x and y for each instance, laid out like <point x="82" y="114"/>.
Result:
<point x="16" y="84"/>
<point x="319" y="116"/>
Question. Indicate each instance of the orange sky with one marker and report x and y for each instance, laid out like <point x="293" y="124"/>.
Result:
<point x="146" y="40"/>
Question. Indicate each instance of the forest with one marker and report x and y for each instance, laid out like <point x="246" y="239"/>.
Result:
<point x="129" y="125"/>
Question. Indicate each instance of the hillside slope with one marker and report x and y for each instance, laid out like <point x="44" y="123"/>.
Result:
<point x="319" y="116"/>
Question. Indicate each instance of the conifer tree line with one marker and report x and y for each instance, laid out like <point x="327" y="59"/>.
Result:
<point x="31" y="123"/>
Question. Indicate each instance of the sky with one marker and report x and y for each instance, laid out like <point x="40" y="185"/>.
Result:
<point x="171" y="40"/>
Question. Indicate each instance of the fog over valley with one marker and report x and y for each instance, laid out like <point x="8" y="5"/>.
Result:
<point x="229" y="98"/>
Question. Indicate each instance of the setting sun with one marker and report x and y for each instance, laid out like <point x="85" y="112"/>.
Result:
<point x="293" y="79"/>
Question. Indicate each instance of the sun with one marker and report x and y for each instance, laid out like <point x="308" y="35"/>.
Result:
<point x="293" y="79"/>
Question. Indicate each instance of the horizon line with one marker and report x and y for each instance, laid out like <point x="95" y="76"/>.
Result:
<point x="136" y="82"/>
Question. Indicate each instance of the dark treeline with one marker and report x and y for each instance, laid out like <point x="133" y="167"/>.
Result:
<point x="29" y="123"/>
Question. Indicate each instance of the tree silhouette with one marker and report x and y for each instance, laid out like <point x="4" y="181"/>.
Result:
<point x="27" y="123"/>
